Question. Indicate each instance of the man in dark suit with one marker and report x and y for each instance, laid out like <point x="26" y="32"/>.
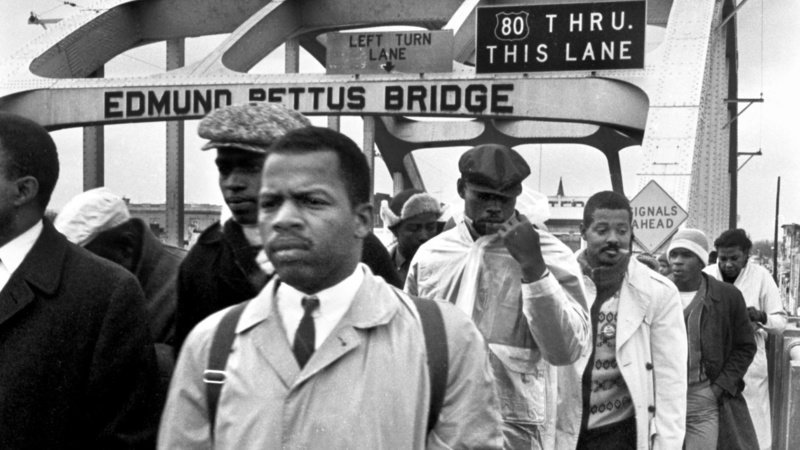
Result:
<point x="77" y="365"/>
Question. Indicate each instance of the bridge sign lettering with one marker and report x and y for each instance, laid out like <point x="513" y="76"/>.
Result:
<point x="656" y="216"/>
<point x="386" y="52"/>
<point x="580" y="36"/>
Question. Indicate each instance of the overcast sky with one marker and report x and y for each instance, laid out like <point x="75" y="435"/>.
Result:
<point x="135" y="153"/>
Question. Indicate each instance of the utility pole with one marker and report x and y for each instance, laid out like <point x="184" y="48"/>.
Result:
<point x="775" y="236"/>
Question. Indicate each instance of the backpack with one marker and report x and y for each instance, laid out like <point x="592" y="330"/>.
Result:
<point x="435" y="344"/>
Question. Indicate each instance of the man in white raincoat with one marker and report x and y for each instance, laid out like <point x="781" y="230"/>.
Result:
<point x="522" y="287"/>
<point x="766" y="314"/>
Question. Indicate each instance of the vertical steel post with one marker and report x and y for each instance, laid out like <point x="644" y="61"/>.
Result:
<point x="94" y="150"/>
<point x="775" y="235"/>
<point x="176" y="50"/>
<point x="369" y="150"/>
<point x="397" y="183"/>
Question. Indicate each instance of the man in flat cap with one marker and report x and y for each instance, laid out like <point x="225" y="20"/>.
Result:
<point x="412" y="217"/>
<point x="522" y="287"/>
<point x="221" y="269"/>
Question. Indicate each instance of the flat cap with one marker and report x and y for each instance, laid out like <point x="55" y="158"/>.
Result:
<point x="494" y="168"/>
<point x="252" y="126"/>
<point x="90" y="213"/>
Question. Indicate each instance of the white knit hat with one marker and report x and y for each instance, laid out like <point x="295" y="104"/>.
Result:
<point x="693" y="240"/>
<point x="407" y="204"/>
<point x="90" y="213"/>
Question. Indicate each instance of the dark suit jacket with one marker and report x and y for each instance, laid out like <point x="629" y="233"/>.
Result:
<point x="77" y="365"/>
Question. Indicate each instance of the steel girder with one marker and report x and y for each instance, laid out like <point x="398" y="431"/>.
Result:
<point x="47" y="79"/>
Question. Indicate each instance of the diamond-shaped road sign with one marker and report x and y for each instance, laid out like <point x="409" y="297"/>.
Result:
<point x="656" y="216"/>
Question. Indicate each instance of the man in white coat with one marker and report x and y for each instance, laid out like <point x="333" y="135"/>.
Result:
<point x="521" y="286"/>
<point x="629" y="390"/>
<point x="328" y="355"/>
<point x="765" y="309"/>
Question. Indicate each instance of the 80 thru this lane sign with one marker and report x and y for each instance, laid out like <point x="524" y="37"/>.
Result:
<point x="578" y="36"/>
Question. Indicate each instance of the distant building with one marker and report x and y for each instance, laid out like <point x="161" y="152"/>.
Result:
<point x="789" y="267"/>
<point x="566" y="215"/>
<point x="196" y="217"/>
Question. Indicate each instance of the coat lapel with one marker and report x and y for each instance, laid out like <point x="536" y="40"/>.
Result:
<point x="262" y="323"/>
<point x="271" y="343"/>
<point x="372" y="306"/>
<point x="41" y="269"/>
<point x="632" y="305"/>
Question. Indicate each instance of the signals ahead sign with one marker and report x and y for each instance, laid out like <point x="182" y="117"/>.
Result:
<point x="656" y="216"/>
<point x="580" y="36"/>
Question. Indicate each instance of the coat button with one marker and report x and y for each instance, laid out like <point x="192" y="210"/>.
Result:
<point x="651" y="408"/>
<point x="648" y="366"/>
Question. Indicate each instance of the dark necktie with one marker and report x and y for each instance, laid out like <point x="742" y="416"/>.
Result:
<point x="304" y="337"/>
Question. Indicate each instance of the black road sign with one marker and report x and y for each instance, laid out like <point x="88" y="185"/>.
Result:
<point x="578" y="36"/>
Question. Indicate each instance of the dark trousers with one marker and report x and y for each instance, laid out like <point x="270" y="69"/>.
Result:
<point x="617" y="436"/>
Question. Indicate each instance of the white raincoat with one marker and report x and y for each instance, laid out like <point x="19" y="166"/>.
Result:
<point x="529" y="327"/>
<point x="760" y="291"/>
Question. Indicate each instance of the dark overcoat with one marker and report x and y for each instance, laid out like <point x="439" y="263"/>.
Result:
<point x="77" y="365"/>
<point x="728" y="347"/>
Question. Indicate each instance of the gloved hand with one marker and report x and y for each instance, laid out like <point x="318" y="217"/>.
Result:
<point x="756" y="315"/>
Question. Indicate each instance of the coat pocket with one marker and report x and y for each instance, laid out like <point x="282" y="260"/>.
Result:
<point x="521" y="383"/>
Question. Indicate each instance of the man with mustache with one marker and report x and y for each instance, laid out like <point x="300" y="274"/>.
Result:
<point x="521" y="286"/>
<point x="765" y="310"/>
<point x="629" y="390"/>
<point x="721" y="347"/>
<point x="221" y="269"/>
<point x="328" y="355"/>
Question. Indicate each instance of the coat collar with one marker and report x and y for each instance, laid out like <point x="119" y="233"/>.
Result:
<point x="374" y="305"/>
<point x="40" y="271"/>
<point x="712" y="290"/>
<point x="634" y="300"/>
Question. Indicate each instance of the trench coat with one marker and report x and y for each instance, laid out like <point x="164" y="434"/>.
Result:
<point x="759" y="291"/>
<point x="366" y="386"/>
<point x="530" y="328"/>
<point x="651" y="353"/>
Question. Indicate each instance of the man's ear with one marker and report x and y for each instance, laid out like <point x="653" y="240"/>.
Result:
<point x="583" y="231"/>
<point x="461" y="187"/>
<point x="27" y="190"/>
<point x="362" y="214"/>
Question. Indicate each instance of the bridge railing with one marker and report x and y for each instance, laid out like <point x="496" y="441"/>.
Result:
<point x="785" y="386"/>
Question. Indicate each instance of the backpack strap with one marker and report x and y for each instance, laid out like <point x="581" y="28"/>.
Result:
<point x="214" y="376"/>
<point x="436" y="346"/>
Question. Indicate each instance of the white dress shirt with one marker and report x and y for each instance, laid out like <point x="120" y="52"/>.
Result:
<point x="333" y="304"/>
<point x="12" y="254"/>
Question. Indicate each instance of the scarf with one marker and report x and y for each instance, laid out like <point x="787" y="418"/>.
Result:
<point x="607" y="279"/>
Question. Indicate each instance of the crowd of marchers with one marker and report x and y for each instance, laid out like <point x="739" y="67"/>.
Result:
<point x="290" y="325"/>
